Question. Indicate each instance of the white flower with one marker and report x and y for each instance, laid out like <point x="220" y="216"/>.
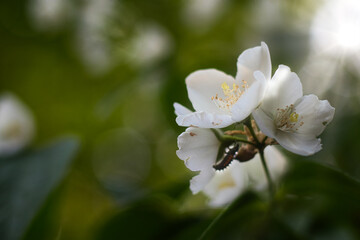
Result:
<point x="16" y="125"/>
<point x="220" y="100"/>
<point x="199" y="147"/>
<point x="292" y="119"/>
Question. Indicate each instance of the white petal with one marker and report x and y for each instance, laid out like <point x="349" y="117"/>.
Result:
<point x="198" y="148"/>
<point x="199" y="182"/>
<point x="204" y="84"/>
<point x="226" y="185"/>
<point x="298" y="143"/>
<point x="283" y="89"/>
<point x="181" y="110"/>
<point x="276" y="164"/>
<point x="265" y="122"/>
<point x="314" y="113"/>
<point x="250" y="99"/>
<point x="251" y="60"/>
<point x="204" y="120"/>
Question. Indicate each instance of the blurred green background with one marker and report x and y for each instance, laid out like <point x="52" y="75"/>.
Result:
<point x="106" y="73"/>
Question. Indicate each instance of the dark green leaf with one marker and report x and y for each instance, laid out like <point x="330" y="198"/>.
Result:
<point x="27" y="180"/>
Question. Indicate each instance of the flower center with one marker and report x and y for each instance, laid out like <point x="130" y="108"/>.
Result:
<point x="227" y="183"/>
<point x="231" y="95"/>
<point x="286" y="119"/>
<point x="12" y="131"/>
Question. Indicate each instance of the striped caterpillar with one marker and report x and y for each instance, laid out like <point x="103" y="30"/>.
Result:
<point x="230" y="155"/>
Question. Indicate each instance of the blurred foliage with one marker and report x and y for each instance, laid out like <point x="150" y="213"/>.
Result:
<point x="314" y="202"/>
<point x="126" y="182"/>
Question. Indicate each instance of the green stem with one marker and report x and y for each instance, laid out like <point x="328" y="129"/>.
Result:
<point x="228" y="138"/>
<point x="263" y="142"/>
<point x="261" y="147"/>
<point x="211" y="225"/>
<point x="233" y="138"/>
<point x="267" y="172"/>
<point x="218" y="133"/>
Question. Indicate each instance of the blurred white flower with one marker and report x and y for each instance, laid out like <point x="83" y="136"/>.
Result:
<point x="16" y="125"/>
<point x="270" y="12"/>
<point x="294" y="120"/>
<point x="50" y="14"/>
<point x="201" y="13"/>
<point x="92" y="42"/>
<point x="276" y="163"/>
<point x="151" y="43"/>
<point x="220" y="100"/>
<point x="229" y="183"/>
<point x="198" y="148"/>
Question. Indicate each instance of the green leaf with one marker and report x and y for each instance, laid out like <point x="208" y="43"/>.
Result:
<point x="26" y="181"/>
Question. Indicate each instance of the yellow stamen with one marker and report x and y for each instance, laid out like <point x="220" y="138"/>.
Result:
<point x="294" y="117"/>
<point x="231" y="95"/>
<point x="226" y="184"/>
<point x="224" y="86"/>
<point x="286" y="119"/>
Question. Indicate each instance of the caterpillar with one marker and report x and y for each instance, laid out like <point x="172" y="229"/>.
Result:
<point x="227" y="159"/>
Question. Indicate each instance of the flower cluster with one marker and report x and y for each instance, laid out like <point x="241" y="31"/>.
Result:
<point x="228" y="162"/>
